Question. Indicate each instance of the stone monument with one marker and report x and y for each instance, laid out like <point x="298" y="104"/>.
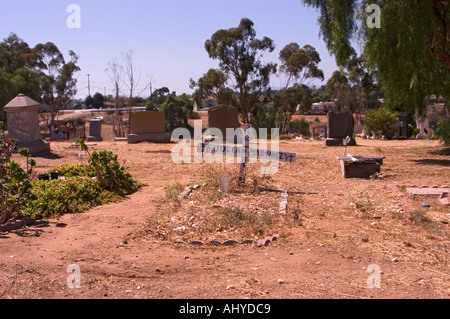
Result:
<point x="148" y="127"/>
<point x="23" y="124"/>
<point x="223" y="117"/>
<point x="95" y="130"/>
<point x="340" y="126"/>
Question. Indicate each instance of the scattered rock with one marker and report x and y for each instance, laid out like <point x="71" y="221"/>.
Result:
<point x="280" y="281"/>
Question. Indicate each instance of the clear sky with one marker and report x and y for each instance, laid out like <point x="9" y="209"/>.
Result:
<point x="167" y="37"/>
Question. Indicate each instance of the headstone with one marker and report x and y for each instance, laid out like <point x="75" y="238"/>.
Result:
<point x="223" y="117"/>
<point x="148" y="126"/>
<point x="23" y="124"/>
<point x="95" y="130"/>
<point x="403" y="125"/>
<point x="340" y="126"/>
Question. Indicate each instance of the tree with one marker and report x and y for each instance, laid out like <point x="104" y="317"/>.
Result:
<point x="410" y="51"/>
<point x="115" y="74"/>
<point x="177" y="111"/>
<point x="157" y="99"/>
<point x="98" y="100"/>
<point x="58" y="84"/>
<point x="244" y="75"/>
<point x="132" y="79"/>
<point x="286" y="102"/>
<point x="300" y="64"/>
<point x="89" y="102"/>
<point x="17" y="73"/>
<point x="381" y="120"/>
<point x="338" y="87"/>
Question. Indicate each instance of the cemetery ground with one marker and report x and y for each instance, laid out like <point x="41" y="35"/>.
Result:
<point x="332" y="231"/>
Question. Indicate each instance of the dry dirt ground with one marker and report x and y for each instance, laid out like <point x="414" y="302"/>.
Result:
<point x="334" y="232"/>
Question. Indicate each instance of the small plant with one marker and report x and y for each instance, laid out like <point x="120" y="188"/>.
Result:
<point x="173" y="190"/>
<point x="15" y="184"/>
<point x="419" y="218"/>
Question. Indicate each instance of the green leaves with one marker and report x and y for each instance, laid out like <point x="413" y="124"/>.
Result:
<point x="241" y="74"/>
<point x="382" y="120"/>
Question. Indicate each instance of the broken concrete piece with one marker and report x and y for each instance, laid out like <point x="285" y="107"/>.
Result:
<point x="427" y="191"/>
<point x="444" y="199"/>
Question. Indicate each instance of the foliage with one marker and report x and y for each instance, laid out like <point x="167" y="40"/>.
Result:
<point x="157" y="99"/>
<point x="300" y="126"/>
<point x="300" y="64"/>
<point x="409" y="52"/>
<point x="15" y="183"/>
<point x="98" y="100"/>
<point x="111" y="175"/>
<point x="443" y="131"/>
<point x="103" y="181"/>
<point x="265" y="116"/>
<point x="241" y="75"/>
<point x="287" y="100"/>
<point x="65" y="196"/>
<point x="177" y="111"/>
<point x="69" y="170"/>
<point x="40" y="73"/>
<point x="381" y="120"/>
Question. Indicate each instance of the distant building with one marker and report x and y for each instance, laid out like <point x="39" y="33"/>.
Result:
<point x="322" y="108"/>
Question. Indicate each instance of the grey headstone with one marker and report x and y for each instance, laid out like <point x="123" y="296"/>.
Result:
<point x="340" y="126"/>
<point x="95" y="130"/>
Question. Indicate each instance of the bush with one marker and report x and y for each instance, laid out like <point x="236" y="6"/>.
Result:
<point x="382" y="120"/>
<point x="64" y="196"/>
<point x="443" y="131"/>
<point x="300" y="126"/>
<point x="15" y="185"/>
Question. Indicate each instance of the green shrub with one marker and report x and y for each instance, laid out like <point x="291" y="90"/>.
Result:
<point x="15" y="184"/>
<point x="69" y="170"/>
<point x="382" y="120"/>
<point x="443" y="131"/>
<point x="300" y="126"/>
<point x="64" y="196"/>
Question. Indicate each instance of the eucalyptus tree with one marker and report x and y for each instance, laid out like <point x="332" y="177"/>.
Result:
<point x="241" y="75"/>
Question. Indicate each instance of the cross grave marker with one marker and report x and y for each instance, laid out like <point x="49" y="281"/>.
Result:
<point x="246" y="152"/>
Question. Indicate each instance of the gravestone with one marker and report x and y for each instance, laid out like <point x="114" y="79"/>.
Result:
<point x="95" y="130"/>
<point x="23" y="124"/>
<point x="223" y="117"/>
<point x="148" y="126"/>
<point x="403" y="125"/>
<point x="340" y="126"/>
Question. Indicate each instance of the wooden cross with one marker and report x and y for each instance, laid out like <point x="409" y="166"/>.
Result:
<point x="246" y="152"/>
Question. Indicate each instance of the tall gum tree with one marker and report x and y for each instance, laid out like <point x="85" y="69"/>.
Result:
<point x="240" y="53"/>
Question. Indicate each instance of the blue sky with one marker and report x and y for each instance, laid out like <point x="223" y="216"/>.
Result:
<point x="167" y="37"/>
